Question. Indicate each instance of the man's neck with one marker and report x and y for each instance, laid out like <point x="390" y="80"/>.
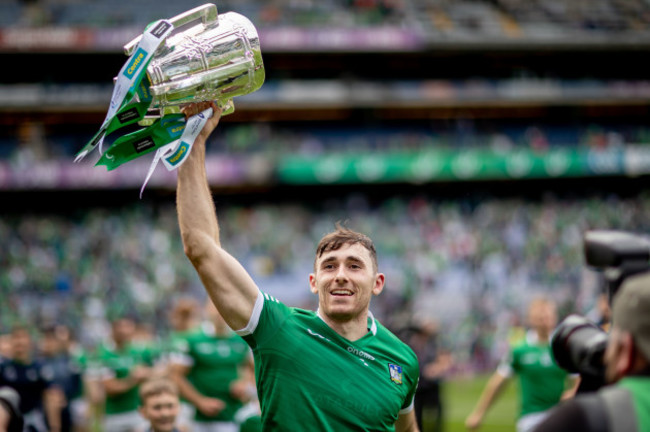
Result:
<point x="351" y="329"/>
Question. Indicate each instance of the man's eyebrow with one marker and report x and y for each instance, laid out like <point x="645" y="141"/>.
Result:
<point x="347" y="258"/>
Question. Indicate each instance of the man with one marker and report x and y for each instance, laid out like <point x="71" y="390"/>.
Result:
<point x="542" y="381"/>
<point x="206" y="372"/>
<point x="331" y="370"/>
<point x="183" y="320"/>
<point x="159" y="404"/>
<point x="124" y="367"/>
<point x="66" y="374"/>
<point x="40" y="400"/>
<point x="625" y="405"/>
<point x="434" y="363"/>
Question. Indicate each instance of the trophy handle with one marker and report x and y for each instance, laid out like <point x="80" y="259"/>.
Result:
<point x="207" y="13"/>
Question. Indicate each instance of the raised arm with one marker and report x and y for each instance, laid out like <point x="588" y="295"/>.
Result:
<point x="228" y="284"/>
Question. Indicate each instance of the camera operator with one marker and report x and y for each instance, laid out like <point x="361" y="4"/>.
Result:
<point x="624" y="405"/>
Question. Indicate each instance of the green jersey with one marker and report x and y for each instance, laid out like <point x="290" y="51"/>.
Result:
<point x="542" y="381"/>
<point x="119" y="364"/>
<point x="639" y="386"/>
<point x="311" y="378"/>
<point x="214" y="364"/>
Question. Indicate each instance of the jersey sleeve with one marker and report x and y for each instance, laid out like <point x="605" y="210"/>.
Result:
<point x="409" y="402"/>
<point x="506" y="366"/>
<point x="413" y="379"/>
<point x="268" y="316"/>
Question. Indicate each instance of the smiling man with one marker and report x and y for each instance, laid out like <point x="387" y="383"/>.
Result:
<point x="336" y="369"/>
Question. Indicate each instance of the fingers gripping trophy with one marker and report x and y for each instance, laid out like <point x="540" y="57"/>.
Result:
<point x="193" y="57"/>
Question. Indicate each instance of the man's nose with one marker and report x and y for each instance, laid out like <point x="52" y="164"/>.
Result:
<point x="341" y="275"/>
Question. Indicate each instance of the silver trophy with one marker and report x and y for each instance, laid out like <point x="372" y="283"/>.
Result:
<point x="208" y="57"/>
<point x="193" y="57"/>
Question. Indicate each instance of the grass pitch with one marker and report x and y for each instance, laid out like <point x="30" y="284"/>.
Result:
<point x="460" y="396"/>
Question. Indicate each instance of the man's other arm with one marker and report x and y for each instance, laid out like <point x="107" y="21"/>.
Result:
<point x="406" y="423"/>
<point x="228" y="284"/>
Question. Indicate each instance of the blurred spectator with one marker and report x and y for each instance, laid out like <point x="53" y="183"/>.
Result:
<point x="66" y="373"/>
<point x="40" y="400"/>
<point x="125" y="367"/>
<point x="434" y="363"/>
<point x="209" y="371"/>
<point x="159" y="405"/>
<point x="184" y="319"/>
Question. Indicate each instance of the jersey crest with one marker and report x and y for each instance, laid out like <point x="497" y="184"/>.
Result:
<point x="395" y="373"/>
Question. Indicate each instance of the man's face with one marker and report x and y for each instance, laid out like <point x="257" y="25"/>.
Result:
<point x="123" y="330"/>
<point x="543" y="317"/>
<point x="161" y="411"/>
<point x="22" y="344"/>
<point x="345" y="280"/>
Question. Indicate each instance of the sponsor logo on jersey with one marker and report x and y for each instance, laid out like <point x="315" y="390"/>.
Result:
<point x="360" y="353"/>
<point x="395" y="373"/>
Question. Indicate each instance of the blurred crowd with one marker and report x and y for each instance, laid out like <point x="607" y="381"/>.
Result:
<point x="471" y="265"/>
<point x="35" y="142"/>
<point x="502" y="18"/>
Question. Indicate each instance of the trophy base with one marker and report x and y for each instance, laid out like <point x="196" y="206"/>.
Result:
<point x="227" y="107"/>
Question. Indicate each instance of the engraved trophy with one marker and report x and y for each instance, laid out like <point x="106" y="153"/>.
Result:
<point x="195" y="56"/>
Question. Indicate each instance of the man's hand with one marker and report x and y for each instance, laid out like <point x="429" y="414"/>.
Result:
<point x="210" y="406"/>
<point x="473" y="421"/>
<point x="195" y="108"/>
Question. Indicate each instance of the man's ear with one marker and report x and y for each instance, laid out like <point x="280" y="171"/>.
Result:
<point x="380" y="279"/>
<point x="312" y="283"/>
<point x="627" y="355"/>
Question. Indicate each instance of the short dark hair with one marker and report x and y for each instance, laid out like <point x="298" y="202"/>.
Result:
<point x="345" y="236"/>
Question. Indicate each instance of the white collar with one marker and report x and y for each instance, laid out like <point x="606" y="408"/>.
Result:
<point x="371" y="318"/>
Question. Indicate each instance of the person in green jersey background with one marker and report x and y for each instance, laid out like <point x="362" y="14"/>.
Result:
<point x="335" y="369"/>
<point x="542" y="382"/>
<point x="624" y="405"/>
<point x="207" y="371"/>
<point x="124" y="367"/>
<point x="184" y="320"/>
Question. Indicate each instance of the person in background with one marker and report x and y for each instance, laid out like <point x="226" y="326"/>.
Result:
<point x="159" y="405"/>
<point x="208" y="373"/>
<point x="542" y="382"/>
<point x="624" y="404"/>
<point x="434" y="362"/>
<point x="184" y="320"/>
<point x="66" y="375"/>
<point x="40" y="400"/>
<point x="124" y="367"/>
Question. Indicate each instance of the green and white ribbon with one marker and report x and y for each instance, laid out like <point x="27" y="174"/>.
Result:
<point x="128" y="85"/>
<point x="175" y="153"/>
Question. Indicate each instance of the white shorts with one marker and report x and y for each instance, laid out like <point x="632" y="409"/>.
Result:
<point x="530" y="421"/>
<point x="130" y="421"/>
<point x="217" y="426"/>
